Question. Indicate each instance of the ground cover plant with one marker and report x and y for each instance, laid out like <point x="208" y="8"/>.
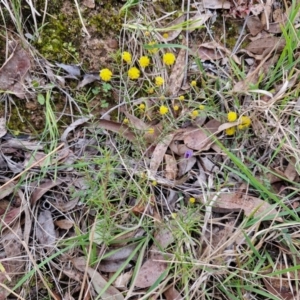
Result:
<point x="149" y="149"/>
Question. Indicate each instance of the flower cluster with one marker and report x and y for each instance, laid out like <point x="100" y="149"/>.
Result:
<point x="243" y="123"/>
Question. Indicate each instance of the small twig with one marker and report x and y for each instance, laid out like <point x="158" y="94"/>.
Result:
<point x="30" y="167"/>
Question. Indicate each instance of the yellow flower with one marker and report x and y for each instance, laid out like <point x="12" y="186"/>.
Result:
<point x="144" y="61"/>
<point x="244" y="122"/>
<point x="163" y="110"/>
<point x="125" y="121"/>
<point x="105" y="74"/>
<point x="126" y="56"/>
<point x="194" y="114"/>
<point x="192" y="200"/>
<point x="230" y="131"/>
<point x="150" y="130"/>
<point x="134" y="73"/>
<point x="142" y="106"/>
<point x="169" y="58"/>
<point x="231" y="116"/>
<point x="153" y="50"/>
<point x="201" y="107"/>
<point x="181" y="98"/>
<point x="150" y="90"/>
<point x="176" y="107"/>
<point x="194" y="83"/>
<point x="154" y="183"/>
<point x="159" y="81"/>
<point x="165" y="35"/>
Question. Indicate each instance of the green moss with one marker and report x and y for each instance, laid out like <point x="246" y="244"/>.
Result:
<point x="109" y="21"/>
<point x="59" y="39"/>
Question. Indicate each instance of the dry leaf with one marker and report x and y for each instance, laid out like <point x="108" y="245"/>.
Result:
<point x="216" y="4"/>
<point x="159" y="152"/>
<point x="150" y="271"/>
<point x="290" y="171"/>
<point x="137" y="123"/>
<point x="97" y="280"/>
<point x="72" y="127"/>
<point x="254" y="25"/>
<point x="45" y="232"/>
<point x="177" y="74"/>
<point x="119" y="128"/>
<point x="171" y="169"/>
<point x="185" y="165"/>
<point x="215" y="51"/>
<point x="43" y="188"/>
<point x="174" y="33"/>
<point x="14" y="70"/>
<point x="172" y="294"/>
<point x="234" y="202"/>
<point x="3" y="129"/>
<point x="276" y="287"/>
<point x="64" y="224"/>
<point x="265" y="45"/>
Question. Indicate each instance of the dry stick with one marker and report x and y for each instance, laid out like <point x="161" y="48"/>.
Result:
<point x="11" y="291"/>
<point x="30" y="167"/>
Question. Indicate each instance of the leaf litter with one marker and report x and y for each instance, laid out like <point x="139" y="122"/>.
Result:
<point x="181" y="167"/>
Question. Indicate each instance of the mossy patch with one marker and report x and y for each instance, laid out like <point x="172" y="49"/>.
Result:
<point x="60" y="38"/>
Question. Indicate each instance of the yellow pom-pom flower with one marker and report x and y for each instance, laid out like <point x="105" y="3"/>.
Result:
<point x="230" y="131"/>
<point x="144" y="61"/>
<point x="202" y="107"/>
<point x="194" y="83"/>
<point x="133" y="73"/>
<point x="181" y="98"/>
<point x="126" y="56"/>
<point x="150" y="90"/>
<point x="194" y="114"/>
<point x="165" y="35"/>
<point x="231" y="116"/>
<point x="176" y="107"/>
<point x="105" y="74"/>
<point x="169" y="59"/>
<point x="159" y="81"/>
<point x="192" y="200"/>
<point x="244" y="122"/>
<point x="142" y="106"/>
<point x="163" y="110"/>
<point x="125" y="121"/>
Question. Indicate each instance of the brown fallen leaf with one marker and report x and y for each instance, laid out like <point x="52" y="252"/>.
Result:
<point x="172" y="34"/>
<point x="234" y="202"/>
<point x="154" y="267"/>
<point x="254" y="25"/>
<point x="151" y="270"/>
<point x="172" y="294"/>
<point x="45" y="231"/>
<point x="171" y="169"/>
<point x="159" y="152"/>
<point x="13" y="72"/>
<point x="98" y="282"/>
<point x="177" y="74"/>
<point x="215" y="51"/>
<point x="265" y="45"/>
<point x="64" y="224"/>
<point x="281" y="292"/>
<point x="216" y="4"/>
<point x="43" y="188"/>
